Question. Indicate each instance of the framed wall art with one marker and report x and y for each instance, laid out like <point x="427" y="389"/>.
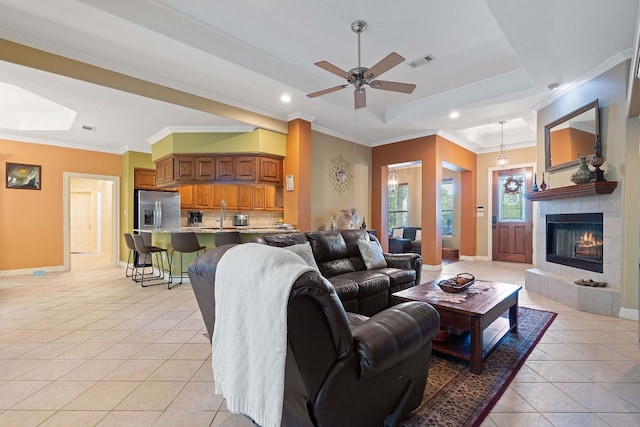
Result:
<point x="23" y="176"/>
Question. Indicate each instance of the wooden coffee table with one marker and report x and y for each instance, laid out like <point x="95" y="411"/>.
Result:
<point x="478" y="317"/>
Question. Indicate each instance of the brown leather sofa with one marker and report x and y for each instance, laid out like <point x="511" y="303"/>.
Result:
<point x="341" y="369"/>
<point x="339" y="260"/>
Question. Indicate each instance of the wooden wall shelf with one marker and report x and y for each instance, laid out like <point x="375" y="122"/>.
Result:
<point x="579" y="190"/>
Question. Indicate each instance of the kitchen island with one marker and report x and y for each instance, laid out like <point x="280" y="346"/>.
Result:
<point x="206" y="237"/>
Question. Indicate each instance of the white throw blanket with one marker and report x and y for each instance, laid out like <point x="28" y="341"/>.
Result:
<point x="252" y="287"/>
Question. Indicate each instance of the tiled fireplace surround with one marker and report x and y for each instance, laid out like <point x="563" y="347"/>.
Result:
<point x="556" y="281"/>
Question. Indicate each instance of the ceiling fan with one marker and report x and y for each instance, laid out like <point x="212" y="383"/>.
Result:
<point x="360" y="76"/>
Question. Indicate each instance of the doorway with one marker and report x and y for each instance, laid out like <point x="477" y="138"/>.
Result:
<point x="512" y="216"/>
<point x="83" y="219"/>
<point x="91" y="220"/>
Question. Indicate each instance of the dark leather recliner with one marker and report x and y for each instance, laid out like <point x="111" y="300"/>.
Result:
<point x="342" y="369"/>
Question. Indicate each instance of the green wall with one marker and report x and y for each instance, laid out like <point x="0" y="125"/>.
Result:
<point x="258" y="141"/>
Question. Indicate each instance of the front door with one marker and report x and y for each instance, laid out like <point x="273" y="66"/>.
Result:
<point x="512" y="219"/>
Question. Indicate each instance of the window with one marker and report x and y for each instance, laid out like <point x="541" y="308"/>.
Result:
<point x="511" y="207"/>
<point x="399" y="207"/>
<point x="446" y="203"/>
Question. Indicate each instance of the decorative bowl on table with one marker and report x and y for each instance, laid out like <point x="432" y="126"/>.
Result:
<point x="457" y="284"/>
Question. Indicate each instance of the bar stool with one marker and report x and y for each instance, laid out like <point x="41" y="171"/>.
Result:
<point x="227" y="238"/>
<point x="132" y="264"/>
<point x="146" y="253"/>
<point x="184" y="243"/>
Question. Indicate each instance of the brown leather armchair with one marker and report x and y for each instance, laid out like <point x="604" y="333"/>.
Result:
<point x="342" y="369"/>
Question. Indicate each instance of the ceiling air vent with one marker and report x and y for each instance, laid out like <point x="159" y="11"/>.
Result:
<point x="89" y="128"/>
<point x="424" y="60"/>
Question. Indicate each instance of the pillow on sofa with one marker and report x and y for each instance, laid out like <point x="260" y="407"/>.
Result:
<point x="371" y="254"/>
<point x="303" y="250"/>
<point x="418" y="235"/>
<point x="397" y="232"/>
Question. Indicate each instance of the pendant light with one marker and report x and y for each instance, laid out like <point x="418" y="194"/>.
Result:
<point x="502" y="156"/>
<point x="392" y="181"/>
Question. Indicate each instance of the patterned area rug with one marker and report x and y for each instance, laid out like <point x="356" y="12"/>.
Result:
<point x="455" y="397"/>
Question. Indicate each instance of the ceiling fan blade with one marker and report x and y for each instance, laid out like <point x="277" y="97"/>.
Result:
<point x="332" y="69"/>
<point x="387" y="63"/>
<point x="393" y="86"/>
<point x="326" y="91"/>
<point x="360" y="98"/>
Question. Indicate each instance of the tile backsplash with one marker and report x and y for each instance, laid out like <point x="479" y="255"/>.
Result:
<point x="211" y="218"/>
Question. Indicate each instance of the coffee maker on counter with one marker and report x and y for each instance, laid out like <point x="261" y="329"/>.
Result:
<point x="195" y="218"/>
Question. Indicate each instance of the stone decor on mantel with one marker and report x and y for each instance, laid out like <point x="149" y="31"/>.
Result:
<point x="557" y="281"/>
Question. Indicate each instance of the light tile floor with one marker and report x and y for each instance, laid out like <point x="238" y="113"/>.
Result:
<point x="91" y="348"/>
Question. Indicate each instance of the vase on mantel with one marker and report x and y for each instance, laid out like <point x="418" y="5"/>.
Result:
<point x="583" y="174"/>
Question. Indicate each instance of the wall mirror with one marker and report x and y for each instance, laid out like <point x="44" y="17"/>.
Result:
<point x="572" y="136"/>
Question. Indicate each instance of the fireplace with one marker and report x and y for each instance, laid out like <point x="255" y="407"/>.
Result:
<point x="576" y="240"/>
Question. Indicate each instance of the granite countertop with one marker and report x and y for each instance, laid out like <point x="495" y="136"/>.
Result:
<point x="250" y="229"/>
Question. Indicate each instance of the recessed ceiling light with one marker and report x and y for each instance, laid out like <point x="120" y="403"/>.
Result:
<point x="285" y="98"/>
<point x="454" y="115"/>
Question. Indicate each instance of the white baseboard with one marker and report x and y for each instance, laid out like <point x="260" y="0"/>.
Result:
<point x="26" y="271"/>
<point x="628" y="313"/>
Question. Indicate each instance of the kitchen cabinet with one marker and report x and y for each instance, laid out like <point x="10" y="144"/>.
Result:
<point x="172" y="170"/>
<point x="184" y="168"/>
<point x="235" y="168"/>
<point x="144" y="179"/>
<point x="225" y="168"/>
<point x="270" y="170"/>
<point x="228" y="193"/>
<point x="236" y="196"/>
<point x="205" y="168"/>
<point x="164" y="171"/>
<point x="202" y="196"/>
<point x="179" y="169"/>
<point x="186" y="197"/>
<point x="258" y="197"/>
<point x="270" y="198"/>
<point x="246" y="197"/>
<point x="245" y="168"/>
<point x="265" y="197"/>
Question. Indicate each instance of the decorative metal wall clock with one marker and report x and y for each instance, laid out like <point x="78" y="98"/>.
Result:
<point x="340" y="174"/>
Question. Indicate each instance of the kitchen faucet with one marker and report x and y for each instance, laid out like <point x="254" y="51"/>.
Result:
<point x="223" y="212"/>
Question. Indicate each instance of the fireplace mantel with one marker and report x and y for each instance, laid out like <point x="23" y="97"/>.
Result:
<point x="579" y="190"/>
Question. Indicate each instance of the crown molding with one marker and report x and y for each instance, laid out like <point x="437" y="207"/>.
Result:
<point x="120" y="150"/>
<point x="307" y="117"/>
<point x="333" y="133"/>
<point x="590" y="75"/>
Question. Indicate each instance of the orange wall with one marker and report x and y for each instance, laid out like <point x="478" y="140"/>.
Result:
<point x="570" y="144"/>
<point x="432" y="151"/>
<point x="31" y="221"/>
<point x="298" y="163"/>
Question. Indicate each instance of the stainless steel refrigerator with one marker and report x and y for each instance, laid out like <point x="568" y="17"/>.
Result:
<point x="156" y="210"/>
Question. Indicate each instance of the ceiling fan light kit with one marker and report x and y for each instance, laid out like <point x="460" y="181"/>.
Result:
<point x="360" y="76"/>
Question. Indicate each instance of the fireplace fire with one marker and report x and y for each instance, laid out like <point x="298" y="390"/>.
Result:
<point x="576" y="240"/>
<point x="589" y="247"/>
